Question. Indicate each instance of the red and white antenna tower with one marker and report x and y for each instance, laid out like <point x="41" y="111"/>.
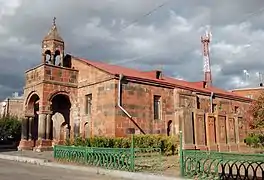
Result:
<point x="206" y="39"/>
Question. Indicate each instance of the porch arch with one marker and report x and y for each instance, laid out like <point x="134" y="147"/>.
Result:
<point x="30" y="96"/>
<point x="54" y="93"/>
<point x="60" y="121"/>
<point x="30" y="127"/>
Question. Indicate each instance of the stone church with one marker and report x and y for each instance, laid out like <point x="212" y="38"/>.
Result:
<point x="66" y="96"/>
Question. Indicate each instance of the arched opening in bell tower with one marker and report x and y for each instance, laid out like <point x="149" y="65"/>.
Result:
<point x="53" y="47"/>
<point x="48" y="56"/>
<point x="57" y="58"/>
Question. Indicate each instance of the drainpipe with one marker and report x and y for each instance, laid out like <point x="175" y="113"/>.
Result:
<point x="120" y="106"/>
<point x="119" y="96"/>
<point x="211" y="101"/>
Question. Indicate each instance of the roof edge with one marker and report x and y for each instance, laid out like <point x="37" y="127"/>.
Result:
<point x="244" y="89"/>
<point x="87" y="63"/>
<point x="191" y="87"/>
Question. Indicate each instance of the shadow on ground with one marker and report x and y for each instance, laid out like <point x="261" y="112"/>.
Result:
<point x="7" y="149"/>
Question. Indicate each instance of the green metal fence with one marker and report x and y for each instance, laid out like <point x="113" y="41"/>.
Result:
<point x="111" y="158"/>
<point x="221" y="165"/>
<point x="128" y="159"/>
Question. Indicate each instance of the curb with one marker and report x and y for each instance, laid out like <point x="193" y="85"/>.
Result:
<point x="113" y="173"/>
<point x="23" y="159"/>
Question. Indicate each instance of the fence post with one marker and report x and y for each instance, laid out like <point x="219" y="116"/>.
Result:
<point x="132" y="154"/>
<point x="55" y="152"/>
<point x="181" y="156"/>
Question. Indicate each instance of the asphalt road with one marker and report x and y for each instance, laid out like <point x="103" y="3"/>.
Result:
<point x="11" y="170"/>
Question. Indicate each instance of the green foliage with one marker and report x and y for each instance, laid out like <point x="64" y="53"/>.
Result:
<point x="10" y="128"/>
<point x="255" y="140"/>
<point x="256" y="112"/>
<point x="168" y="145"/>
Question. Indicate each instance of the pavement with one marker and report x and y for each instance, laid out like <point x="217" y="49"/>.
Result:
<point x="24" y="160"/>
<point x="10" y="170"/>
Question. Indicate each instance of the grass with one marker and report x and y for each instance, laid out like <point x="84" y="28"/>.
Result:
<point x="157" y="164"/>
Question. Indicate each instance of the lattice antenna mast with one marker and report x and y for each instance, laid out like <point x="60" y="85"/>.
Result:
<point x="260" y="74"/>
<point x="206" y="39"/>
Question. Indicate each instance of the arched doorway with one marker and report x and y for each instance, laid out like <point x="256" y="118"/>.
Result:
<point x="169" y="127"/>
<point x="32" y="109"/>
<point x="60" y="105"/>
<point x="86" y="130"/>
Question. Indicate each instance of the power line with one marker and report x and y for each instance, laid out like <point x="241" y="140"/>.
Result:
<point x="252" y="14"/>
<point x="248" y="16"/>
<point x="138" y="19"/>
<point x="145" y="15"/>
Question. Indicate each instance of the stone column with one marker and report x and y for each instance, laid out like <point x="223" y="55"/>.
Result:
<point x="24" y="144"/>
<point x="41" y="126"/>
<point x="24" y="127"/>
<point x="61" y="59"/>
<point x="76" y="127"/>
<point x="73" y="114"/>
<point x="48" y="126"/>
<point x="44" y="58"/>
<point x="30" y="121"/>
<point x="237" y="130"/>
<point x="52" y="59"/>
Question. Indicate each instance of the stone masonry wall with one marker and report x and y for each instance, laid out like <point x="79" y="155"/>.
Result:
<point x="47" y="81"/>
<point x="253" y="93"/>
<point x="138" y="101"/>
<point x="14" y="107"/>
<point x="222" y="129"/>
<point x="103" y="89"/>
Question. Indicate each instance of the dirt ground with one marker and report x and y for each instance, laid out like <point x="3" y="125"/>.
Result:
<point x="171" y="166"/>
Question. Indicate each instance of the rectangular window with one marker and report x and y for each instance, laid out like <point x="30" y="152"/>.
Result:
<point x="88" y="104"/>
<point x="198" y="103"/>
<point x="130" y="131"/>
<point x="236" y="109"/>
<point x="214" y="108"/>
<point x="157" y="107"/>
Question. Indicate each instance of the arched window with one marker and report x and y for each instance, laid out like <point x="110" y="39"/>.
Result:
<point x="57" y="58"/>
<point x="48" y="56"/>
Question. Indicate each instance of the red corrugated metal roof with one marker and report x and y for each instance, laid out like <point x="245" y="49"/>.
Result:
<point x="150" y="76"/>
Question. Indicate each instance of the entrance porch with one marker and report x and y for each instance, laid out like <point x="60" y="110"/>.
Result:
<point x="41" y="130"/>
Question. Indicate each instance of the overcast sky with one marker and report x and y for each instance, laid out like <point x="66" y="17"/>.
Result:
<point x="168" y="38"/>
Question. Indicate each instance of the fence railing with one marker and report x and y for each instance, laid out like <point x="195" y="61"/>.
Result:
<point x="217" y="165"/>
<point x="128" y="159"/>
<point x="220" y="165"/>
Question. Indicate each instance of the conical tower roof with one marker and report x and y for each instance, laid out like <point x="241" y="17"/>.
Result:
<point x="53" y="33"/>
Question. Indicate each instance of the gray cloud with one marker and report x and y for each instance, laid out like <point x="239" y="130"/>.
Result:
<point x="169" y="38"/>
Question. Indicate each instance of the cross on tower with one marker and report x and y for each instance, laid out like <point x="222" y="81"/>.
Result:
<point x="54" y="21"/>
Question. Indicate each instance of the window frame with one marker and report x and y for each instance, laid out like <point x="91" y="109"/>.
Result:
<point x="157" y="107"/>
<point x="88" y="104"/>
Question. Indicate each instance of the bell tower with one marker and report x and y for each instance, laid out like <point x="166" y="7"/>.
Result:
<point x="53" y="47"/>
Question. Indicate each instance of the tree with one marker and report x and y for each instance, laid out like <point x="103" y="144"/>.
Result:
<point x="256" y="111"/>
<point x="10" y="128"/>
